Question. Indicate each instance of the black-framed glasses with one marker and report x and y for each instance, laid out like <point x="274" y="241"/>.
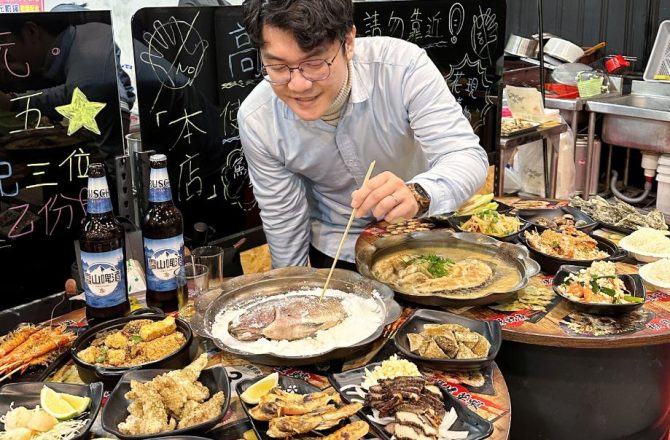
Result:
<point x="311" y="70"/>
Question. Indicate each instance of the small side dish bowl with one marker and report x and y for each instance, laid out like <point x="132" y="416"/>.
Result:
<point x="633" y="284"/>
<point x="534" y="217"/>
<point x="457" y="221"/>
<point x="416" y="323"/>
<point x="648" y="274"/>
<point x="550" y="264"/>
<point x="116" y="409"/>
<point x="27" y="394"/>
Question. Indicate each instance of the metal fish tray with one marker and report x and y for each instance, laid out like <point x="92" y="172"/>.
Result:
<point x="517" y="256"/>
<point x="246" y="288"/>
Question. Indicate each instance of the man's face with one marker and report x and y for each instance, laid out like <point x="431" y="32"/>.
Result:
<point x="308" y="99"/>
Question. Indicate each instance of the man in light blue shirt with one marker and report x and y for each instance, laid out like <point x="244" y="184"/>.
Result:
<point x="330" y="105"/>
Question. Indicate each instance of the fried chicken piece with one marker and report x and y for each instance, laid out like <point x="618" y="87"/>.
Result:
<point x="176" y="391"/>
<point x="157" y="329"/>
<point x="89" y="354"/>
<point x="147" y="412"/>
<point x="116" y="340"/>
<point x="116" y="357"/>
<point x="202" y="411"/>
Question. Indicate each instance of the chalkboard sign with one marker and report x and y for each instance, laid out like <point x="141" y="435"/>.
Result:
<point x="465" y="40"/>
<point x="194" y="67"/>
<point x="59" y="111"/>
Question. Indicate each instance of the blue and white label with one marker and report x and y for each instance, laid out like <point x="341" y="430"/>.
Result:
<point x="163" y="257"/>
<point x="104" y="278"/>
<point x="159" y="186"/>
<point x="98" y="196"/>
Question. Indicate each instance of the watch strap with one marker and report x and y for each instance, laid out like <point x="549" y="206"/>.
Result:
<point x="421" y="197"/>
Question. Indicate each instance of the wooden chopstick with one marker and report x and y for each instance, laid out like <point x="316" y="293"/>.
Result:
<point x="346" y="231"/>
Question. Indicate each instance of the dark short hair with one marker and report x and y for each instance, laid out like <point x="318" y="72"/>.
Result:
<point x="313" y="23"/>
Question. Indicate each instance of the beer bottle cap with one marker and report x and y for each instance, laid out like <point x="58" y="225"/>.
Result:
<point x="157" y="157"/>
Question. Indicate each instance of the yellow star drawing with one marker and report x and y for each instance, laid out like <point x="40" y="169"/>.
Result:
<point x="81" y="112"/>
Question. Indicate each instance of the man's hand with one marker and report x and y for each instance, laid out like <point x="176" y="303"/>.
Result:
<point x="387" y="197"/>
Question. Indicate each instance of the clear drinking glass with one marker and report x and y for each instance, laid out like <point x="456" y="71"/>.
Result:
<point x="192" y="280"/>
<point x="212" y="257"/>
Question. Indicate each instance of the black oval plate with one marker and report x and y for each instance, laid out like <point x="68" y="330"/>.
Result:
<point x="633" y="284"/>
<point x="116" y="409"/>
<point x="289" y="384"/>
<point x="551" y="264"/>
<point x="457" y="221"/>
<point x="489" y="329"/>
<point x="477" y="427"/>
<point x="27" y="394"/>
<point x="532" y="217"/>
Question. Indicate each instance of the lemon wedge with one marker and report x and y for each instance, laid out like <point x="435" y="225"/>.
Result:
<point x="253" y="394"/>
<point x="249" y="435"/>
<point x="53" y="404"/>
<point x="79" y="403"/>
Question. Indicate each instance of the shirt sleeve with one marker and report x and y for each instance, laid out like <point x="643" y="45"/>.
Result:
<point x="457" y="163"/>
<point x="282" y="199"/>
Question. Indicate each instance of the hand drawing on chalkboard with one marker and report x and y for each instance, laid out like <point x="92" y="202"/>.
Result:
<point x="456" y="21"/>
<point x="175" y="53"/>
<point x="234" y="177"/>
<point x="484" y="33"/>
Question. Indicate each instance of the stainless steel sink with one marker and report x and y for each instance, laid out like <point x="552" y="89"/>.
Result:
<point x="635" y="121"/>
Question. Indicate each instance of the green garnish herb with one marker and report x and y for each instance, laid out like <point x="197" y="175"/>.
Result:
<point x="634" y="299"/>
<point x="135" y="339"/>
<point x="437" y="266"/>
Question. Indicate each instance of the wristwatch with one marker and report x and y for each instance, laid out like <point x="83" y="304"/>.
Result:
<point x="421" y="197"/>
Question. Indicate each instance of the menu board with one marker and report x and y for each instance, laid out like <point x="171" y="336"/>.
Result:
<point x="59" y="111"/>
<point x="194" y="67"/>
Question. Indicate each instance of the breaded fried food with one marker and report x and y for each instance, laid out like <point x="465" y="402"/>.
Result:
<point x="171" y="400"/>
<point x="116" y="357"/>
<point x="202" y="411"/>
<point x="89" y="354"/>
<point x="160" y="347"/>
<point x="116" y="340"/>
<point x="147" y="412"/>
<point x="155" y="330"/>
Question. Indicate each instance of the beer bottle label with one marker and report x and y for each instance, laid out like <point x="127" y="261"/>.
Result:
<point x="104" y="278"/>
<point x="98" y="196"/>
<point x="163" y="257"/>
<point x="159" y="186"/>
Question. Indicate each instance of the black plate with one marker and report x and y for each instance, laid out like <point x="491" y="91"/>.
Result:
<point x="552" y="204"/>
<point x="116" y="409"/>
<point x="532" y="216"/>
<point x="551" y="264"/>
<point x="457" y="221"/>
<point x="633" y="284"/>
<point x="110" y="375"/>
<point x="28" y="394"/>
<point x="478" y="427"/>
<point x="489" y="329"/>
<point x="289" y="384"/>
<point x="621" y="229"/>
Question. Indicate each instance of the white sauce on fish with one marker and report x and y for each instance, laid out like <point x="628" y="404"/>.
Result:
<point x="364" y="316"/>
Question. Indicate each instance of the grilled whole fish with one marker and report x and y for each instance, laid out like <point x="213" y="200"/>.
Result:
<point x="287" y="318"/>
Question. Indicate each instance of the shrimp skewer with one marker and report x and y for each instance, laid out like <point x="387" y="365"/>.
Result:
<point x="37" y="348"/>
<point x="16" y="338"/>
